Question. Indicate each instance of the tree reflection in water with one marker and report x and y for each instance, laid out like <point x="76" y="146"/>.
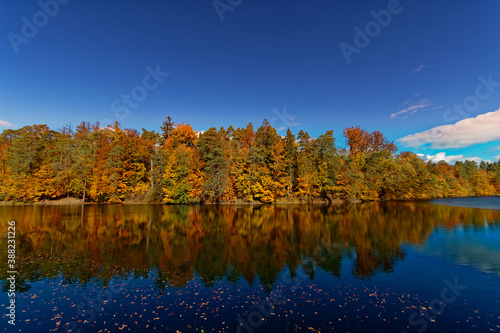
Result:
<point x="170" y="244"/>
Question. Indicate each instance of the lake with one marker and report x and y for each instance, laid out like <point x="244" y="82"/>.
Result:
<point x="401" y="266"/>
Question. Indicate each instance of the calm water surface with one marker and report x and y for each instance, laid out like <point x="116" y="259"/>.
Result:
<point x="374" y="267"/>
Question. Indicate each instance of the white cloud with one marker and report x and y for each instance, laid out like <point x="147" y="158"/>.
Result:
<point x="481" y="129"/>
<point x="4" y="123"/>
<point x="419" y="69"/>
<point x="424" y="103"/>
<point x="497" y="158"/>
<point x="450" y="159"/>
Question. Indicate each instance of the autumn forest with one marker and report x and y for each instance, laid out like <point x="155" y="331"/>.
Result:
<point x="178" y="165"/>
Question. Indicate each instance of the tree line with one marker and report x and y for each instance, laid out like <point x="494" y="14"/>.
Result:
<point x="178" y="165"/>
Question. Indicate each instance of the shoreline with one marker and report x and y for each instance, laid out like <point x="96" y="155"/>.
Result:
<point x="77" y="202"/>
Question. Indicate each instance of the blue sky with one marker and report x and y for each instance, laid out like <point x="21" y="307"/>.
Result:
<point x="239" y="61"/>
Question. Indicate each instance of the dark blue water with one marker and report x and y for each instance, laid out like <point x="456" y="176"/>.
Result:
<point x="473" y="202"/>
<point x="380" y="267"/>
